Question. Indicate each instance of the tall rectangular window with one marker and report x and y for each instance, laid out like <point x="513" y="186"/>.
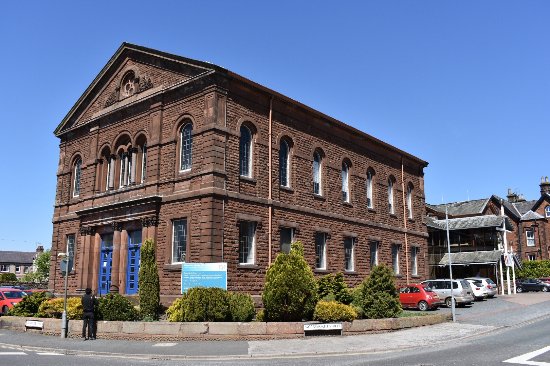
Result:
<point x="395" y="258"/>
<point x="247" y="234"/>
<point x="414" y="261"/>
<point x="317" y="173"/>
<point x="391" y="207"/>
<point x="530" y="234"/>
<point x="143" y="163"/>
<point x="17" y="269"/>
<point x="531" y="257"/>
<point x="349" y="254"/>
<point x="186" y="147"/>
<point x="369" y="189"/>
<point x="179" y="240"/>
<point x="345" y="182"/>
<point x="409" y="202"/>
<point x="77" y="173"/>
<point x="4" y="268"/>
<point x="287" y="237"/>
<point x="70" y="252"/>
<point x="373" y="254"/>
<point x="320" y="250"/>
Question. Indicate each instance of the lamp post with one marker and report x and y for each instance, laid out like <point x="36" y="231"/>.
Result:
<point x="65" y="271"/>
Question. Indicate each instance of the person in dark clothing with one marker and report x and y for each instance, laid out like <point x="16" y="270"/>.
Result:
<point x="89" y="303"/>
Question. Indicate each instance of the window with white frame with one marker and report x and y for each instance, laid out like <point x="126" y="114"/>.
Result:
<point x="125" y="168"/>
<point x="409" y="201"/>
<point x="547" y="211"/>
<point x="70" y="252"/>
<point x="530" y="234"/>
<point x="370" y="202"/>
<point x="247" y="239"/>
<point x="26" y="270"/>
<point x="186" y="147"/>
<point x="179" y="240"/>
<point x="4" y="268"/>
<point x="17" y="269"/>
<point x="143" y="163"/>
<point x="284" y="164"/>
<point x="320" y="250"/>
<point x="345" y="182"/>
<point x="531" y="257"/>
<point x="349" y="254"/>
<point x="317" y="173"/>
<point x="414" y="261"/>
<point x="395" y="258"/>
<point x="373" y="253"/>
<point x="391" y="206"/>
<point x="287" y="237"/>
<point x="76" y="180"/>
<point x="245" y="152"/>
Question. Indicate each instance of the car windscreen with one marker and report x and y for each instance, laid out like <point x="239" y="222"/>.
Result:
<point x="13" y="294"/>
<point x="490" y="281"/>
<point x="428" y="289"/>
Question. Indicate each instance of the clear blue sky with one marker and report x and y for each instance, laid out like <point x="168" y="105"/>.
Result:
<point x="464" y="85"/>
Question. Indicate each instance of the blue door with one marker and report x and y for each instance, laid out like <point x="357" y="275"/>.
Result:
<point x="132" y="271"/>
<point x="105" y="264"/>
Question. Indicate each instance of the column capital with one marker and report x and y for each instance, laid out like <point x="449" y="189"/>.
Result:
<point x="87" y="230"/>
<point x="149" y="221"/>
<point x="117" y="226"/>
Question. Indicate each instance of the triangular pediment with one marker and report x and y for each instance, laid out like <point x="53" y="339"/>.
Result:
<point x="134" y="72"/>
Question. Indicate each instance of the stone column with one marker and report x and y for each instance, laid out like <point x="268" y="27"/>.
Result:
<point x="95" y="242"/>
<point x="115" y="268"/>
<point x="112" y="169"/>
<point x="86" y="260"/>
<point x="123" y="262"/>
<point x="134" y="166"/>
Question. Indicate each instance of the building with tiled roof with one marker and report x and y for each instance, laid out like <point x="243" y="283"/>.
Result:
<point x="19" y="263"/>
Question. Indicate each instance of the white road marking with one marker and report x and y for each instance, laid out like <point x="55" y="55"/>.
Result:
<point x="12" y="353"/>
<point x="164" y="345"/>
<point x="525" y="359"/>
<point x="49" y="354"/>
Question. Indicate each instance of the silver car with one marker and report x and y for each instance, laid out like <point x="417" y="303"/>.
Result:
<point x="461" y="291"/>
<point x="489" y="284"/>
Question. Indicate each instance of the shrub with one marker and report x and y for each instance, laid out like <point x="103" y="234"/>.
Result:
<point x="332" y="286"/>
<point x="116" y="307"/>
<point x="176" y="311"/>
<point x="206" y="304"/>
<point x="333" y="311"/>
<point x="8" y="277"/>
<point x="53" y="308"/>
<point x="241" y="307"/>
<point x="30" y="304"/>
<point x="260" y="315"/>
<point x="534" y="269"/>
<point x="149" y="285"/>
<point x="380" y="298"/>
<point x="290" y="291"/>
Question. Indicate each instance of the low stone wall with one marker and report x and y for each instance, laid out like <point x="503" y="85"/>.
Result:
<point x="216" y="330"/>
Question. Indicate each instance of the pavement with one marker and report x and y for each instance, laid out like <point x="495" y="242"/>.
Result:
<point x="477" y="320"/>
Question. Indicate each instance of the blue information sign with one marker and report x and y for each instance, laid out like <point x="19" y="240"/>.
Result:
<point x="203" y="275"/>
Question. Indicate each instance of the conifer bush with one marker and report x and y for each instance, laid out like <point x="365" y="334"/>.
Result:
<point x="115" y="307"/>
<point x="333" y="287"/>
<point x="379" y="296"/>
<point x="241" y="307"/>
<point x="290" y="291"/>
<point x="176" y="311"/>
<point x="334" y="311"/>
<point x="149" y="284"/>
<point x="206" y="304"/>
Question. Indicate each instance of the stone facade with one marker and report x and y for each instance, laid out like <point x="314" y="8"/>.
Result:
<point x="122" y="171"/>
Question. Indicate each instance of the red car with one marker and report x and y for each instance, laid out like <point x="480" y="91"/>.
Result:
<point x="418" y="296"/>
<point x="8" y="298"/>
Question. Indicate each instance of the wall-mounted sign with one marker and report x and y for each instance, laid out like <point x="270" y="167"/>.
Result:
<point x="203" y="275"/>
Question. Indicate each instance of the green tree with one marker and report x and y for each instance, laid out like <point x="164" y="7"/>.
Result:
<point x="42" y="273"/>
<point x="290" y="291"/>
<point x="380" y="298"/>
<point x="149" y="285"/>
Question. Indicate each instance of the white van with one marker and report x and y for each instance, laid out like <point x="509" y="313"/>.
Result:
<point x="461" y="291"/>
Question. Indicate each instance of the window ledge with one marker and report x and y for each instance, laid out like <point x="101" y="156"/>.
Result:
<point x="411" y="220"/>
<point x="348" y="204"/>
<point x="352" y="273"/>
<point x="247" y="179"/>
<point x="393" y="215"/>
<point x="416" y="276"/>
<point x="321" y="270"/>
<point x="287" y="189"/>
<point x="319" y="197"/>
<point x="398" y="275"/>
<point x="172" y="267"/>
<point x="371" y="209"/>
<point x="248" y="266"/>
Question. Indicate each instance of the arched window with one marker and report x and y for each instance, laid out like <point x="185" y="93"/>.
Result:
<point x="76" y="177"/>
<point x="409" y="201"/>
<point x="390" y="196"/>
<point x="143" y="174"/>
<point x="186" y="147"/>
<point x="245" y="152"/>
<point x="370" y="201"/>
<point x="317" y="173"/>
<point x="345" y="182"/>
<point x="547" y="211"/>
<point x="284" y="164"/>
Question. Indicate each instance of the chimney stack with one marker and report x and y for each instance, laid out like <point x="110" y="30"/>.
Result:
<point x="544" y="186"/>
<point x="512" y="196"/>
<point x="39" y="249"/>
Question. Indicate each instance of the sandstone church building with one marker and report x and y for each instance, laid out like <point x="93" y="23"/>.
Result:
<point x="217" y="168"/>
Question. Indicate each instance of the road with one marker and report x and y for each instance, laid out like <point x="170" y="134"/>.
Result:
<point x="504" y="331"/>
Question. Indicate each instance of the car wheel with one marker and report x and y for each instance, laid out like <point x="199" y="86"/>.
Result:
<point x="519" y="289"/>
<point x="5" y="310"/>
<point x="545" y="289"/>
<point x="448" y="302"/>
<point x="423" y="305"/>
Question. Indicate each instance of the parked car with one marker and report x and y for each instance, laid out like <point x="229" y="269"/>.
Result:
<point x="489" y="284"/>
<point x="418" y="296"/>
<point x="461" y="291"/>
<point x="545" y="279"/>
<point x="478" y="289"/>
<point x="532" y="284"/>
<point x="9" y="297"/>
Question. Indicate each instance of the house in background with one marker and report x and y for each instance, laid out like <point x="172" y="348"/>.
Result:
<point x="19" y="263"/>
<point x="476" y="232"/>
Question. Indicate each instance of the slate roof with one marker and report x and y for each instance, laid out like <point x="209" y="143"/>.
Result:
<point x="525" y="206"/>
<point x="464" y="223"/>
<point x="463" y="208"/>
<point x="17" y="257"/>
<point x="530" y="215"/>
<point x="479" y="257"/>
